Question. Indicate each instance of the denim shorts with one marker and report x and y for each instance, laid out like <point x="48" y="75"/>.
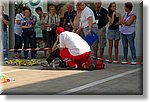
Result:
<point x="113" y="34"/>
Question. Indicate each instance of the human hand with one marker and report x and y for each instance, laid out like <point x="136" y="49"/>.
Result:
<point x="114" y="13"/>
<point x="89" y="32"/>
<point x="79" y="30"/>
<point x="1" y="17"/>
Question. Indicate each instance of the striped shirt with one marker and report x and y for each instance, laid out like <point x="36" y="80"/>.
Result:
<point x="53" y="20"/>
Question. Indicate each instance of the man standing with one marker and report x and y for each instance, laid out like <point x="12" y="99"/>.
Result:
<point x="74" y="50"/>
<point x="100" y="14"/>
<point x="5" y="22"/>
<point x="88" y="23"/>
<point x="69" y="17"/>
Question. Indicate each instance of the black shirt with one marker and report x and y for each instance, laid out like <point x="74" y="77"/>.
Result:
<point x="101" y="16"/>
<point x="114" y="26"/>
<point x="5" y="25"/>
<point x="69" y="16"/>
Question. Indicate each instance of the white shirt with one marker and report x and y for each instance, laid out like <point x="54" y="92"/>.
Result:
<point x="85" y="14"/>
<point x="75" y="44"/>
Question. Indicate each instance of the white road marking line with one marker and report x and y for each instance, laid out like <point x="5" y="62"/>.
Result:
<point x="97" y="82"/>
<point x="12" y="71"/>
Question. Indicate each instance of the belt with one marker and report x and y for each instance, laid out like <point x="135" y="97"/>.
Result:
<point x="88" y="26"/>
<point x="94" y="23"/>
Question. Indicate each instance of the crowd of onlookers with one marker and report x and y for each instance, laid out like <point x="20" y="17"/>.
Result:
<point x="82" y="21"/>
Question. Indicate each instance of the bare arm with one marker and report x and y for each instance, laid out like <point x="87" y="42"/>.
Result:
<point x="47" y="25"/>
<point x="111" y="20"/>
<point x="46" y="22"/>
<point x="26" y="26"/>
<point x="18" y="22"/>
<point x="58" y="24"/>
<point x="5" y="21"/>
<point x="119" y="22"/>
<point x="130" y="21"/>
<point x="90" y="21"/>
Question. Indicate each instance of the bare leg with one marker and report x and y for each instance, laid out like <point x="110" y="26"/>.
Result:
<point x="95" y="52"/>
<point x="116" y="49"/>
<point x="101" y="52"/>
<point x="110" y="49"/>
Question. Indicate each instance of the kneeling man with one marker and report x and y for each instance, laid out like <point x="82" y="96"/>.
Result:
<point x="75" y="52"/>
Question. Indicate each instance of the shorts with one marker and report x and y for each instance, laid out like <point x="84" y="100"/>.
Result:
<point x="102" y="37"/>
<point x="113" y="34"/>
<point x="94" y="29"/>
<point x="44" y="35"/>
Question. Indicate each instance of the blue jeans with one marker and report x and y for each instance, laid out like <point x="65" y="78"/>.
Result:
<point x="18" y="43"/>
<point x="29" y="40"/>
<point x="5" y="43"/>
<point x="129" y="39"/>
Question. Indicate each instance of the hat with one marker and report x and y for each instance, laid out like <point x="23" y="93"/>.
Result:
<point x="59" y="30"/>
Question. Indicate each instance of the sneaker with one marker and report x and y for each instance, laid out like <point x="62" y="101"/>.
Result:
<point x="46" y="65"/>
<point x="110" y="61"/>
<point x="124" y="61"/>
<point x="63" y="65"/>
<point x="92" y="66"/>
<point x="133" y="62"/>
<point x="107" y="60"/>
<point x="94" y="58"/>
<point x="101" y="59"/>
<point x="15" y="57"/>
<point x="89" y="65"/>
<point x="116" y="61"/>
<point x="5" y="59"/>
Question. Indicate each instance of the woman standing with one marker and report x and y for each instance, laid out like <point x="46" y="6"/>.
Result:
<point x="42" y="16"/>
<point x="128" y="22"/>
<point x="28" y="33"/>
<point x="113" y="34"/>
<point x="52" y="21"/>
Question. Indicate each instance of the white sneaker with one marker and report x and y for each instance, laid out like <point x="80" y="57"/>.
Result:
<point x="5" y="59"/>
<point x="116" y="61"/>
<point x="101" y="59"/>
<point x="107" y="60"/>
<point x="124" y="61"/>
<point x="133" y="62"/>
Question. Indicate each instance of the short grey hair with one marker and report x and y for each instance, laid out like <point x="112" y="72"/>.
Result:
<point x="80" y="3"/>
<point x="70" y="4"/>
<point x="97" y="1"/>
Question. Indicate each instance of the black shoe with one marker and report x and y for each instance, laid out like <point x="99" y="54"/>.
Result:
<point x="92" y="66"/>
<point x="63" y="65"/>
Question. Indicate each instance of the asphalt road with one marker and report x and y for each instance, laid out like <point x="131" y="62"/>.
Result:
<point x="115" y="79"/>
